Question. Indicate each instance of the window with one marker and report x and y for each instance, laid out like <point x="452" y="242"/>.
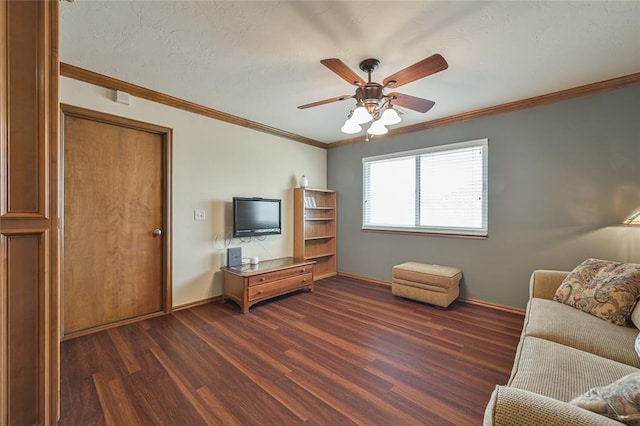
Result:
<point x="440" y="190"/>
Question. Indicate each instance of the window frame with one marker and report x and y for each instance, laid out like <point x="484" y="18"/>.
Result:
<point x="416" y="229"/>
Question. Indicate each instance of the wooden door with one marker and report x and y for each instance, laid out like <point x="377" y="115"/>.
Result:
<point x="115" y="221"/>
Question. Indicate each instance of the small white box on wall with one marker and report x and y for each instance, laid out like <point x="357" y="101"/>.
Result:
<point x="122" y="97"/>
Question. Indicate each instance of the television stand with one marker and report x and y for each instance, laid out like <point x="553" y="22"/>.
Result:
<point x="250" y="284"/>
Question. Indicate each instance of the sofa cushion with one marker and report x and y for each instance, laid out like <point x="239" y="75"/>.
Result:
<point x="561" y="372"/>
<point x="606" y="289"/>
<point x="619" y="400"/>
<point x="635" y="315"/>
<point x="563" y="324"/>
<point x="511" y="406"/>
<point x="436" y="275"/>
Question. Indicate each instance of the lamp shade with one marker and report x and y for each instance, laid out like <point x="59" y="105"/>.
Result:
<point x="377" y="128"/>
<point x="634" y="219"/>
<point x="389" y="117"/>
<point x="350" y="127"/>
<point x="361" y="115"/>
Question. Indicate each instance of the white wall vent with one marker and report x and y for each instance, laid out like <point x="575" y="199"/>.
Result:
<point x="122" y="98"/>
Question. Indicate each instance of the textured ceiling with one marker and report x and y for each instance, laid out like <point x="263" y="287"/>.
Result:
<point x="260" y="60"/>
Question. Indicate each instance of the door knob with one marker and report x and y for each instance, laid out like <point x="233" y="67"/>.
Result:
<point x="157" y="232"/>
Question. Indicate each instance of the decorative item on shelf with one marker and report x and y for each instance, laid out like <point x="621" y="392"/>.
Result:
<point x="304" y="182"/>
<point x="634" y="219"/>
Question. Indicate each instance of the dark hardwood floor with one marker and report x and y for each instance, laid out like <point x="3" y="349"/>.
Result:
<point x="348" y="353"/>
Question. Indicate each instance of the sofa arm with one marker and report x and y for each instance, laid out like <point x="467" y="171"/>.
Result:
<point x="543" y="284"/>
<point x="510" y="406"/>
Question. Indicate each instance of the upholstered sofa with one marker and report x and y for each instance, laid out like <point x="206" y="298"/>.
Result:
<point x="563" y="353"/>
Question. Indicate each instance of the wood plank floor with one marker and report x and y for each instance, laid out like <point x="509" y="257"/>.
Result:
<point x="348" y="353"/>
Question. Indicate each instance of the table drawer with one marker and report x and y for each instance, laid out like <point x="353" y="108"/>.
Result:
<point x="278" y="275"/>
<point x="280" y="287"/>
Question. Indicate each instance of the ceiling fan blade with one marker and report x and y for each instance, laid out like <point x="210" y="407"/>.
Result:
<point x="343" y="71"/>
<point x="411" y="102"/>
<point x="326" y="101"/>
<point x="425" y="67"/>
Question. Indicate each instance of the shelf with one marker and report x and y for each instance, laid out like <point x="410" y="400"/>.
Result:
<point x="315" y="217"/>
<point x="319" y="190"/>
<point x="317" y="256"/>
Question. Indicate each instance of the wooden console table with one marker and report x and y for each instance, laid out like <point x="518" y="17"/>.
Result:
<point x="249" y="284"/>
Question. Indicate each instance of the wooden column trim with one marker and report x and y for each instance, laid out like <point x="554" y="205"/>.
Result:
<point x="39" y="75"/>
<point x="4" y="297"/>
<point x="51" y="397"/>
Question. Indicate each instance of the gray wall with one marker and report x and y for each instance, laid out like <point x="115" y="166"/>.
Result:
<point x="561" y="179"/>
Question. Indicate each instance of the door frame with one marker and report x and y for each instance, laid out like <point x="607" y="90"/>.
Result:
<point x="166" y="134"/>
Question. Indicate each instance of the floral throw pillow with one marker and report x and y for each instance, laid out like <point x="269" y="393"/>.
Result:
<point x="620" y="400"/>
<point x="608" y="290"/>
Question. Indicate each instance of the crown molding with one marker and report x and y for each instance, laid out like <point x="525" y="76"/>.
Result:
<point x="562" y="95"/>
<point x="101" y="80"/>
<point x="81" y="74"/>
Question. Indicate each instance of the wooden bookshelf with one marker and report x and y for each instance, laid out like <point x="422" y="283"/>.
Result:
<point x="315" y="229"/>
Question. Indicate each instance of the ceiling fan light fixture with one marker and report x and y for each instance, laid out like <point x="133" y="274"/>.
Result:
<point x="390" y="117"/>
<point x="371" y="101"/>
<point x="377" y="128"/>
<point x="361" y="115"/>
<point x="350" y="127"/>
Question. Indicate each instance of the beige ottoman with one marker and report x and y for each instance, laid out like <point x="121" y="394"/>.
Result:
<point x="433" y="284"/>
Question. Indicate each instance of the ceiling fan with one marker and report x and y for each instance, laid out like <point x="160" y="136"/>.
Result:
<point x="372" y="102"/>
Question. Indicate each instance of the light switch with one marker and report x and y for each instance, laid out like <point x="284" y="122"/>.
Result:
<point x="199" y="215"/>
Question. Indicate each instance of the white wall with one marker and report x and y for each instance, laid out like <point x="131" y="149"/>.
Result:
<point x="212" y="162"/>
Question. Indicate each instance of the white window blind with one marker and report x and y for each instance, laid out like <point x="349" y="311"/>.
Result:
<point x="436" y="190"/>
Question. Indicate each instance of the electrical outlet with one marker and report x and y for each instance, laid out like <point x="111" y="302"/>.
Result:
<point x="199" y="215"/>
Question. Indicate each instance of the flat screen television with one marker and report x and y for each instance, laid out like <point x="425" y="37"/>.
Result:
<point x="256" y="216"/>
